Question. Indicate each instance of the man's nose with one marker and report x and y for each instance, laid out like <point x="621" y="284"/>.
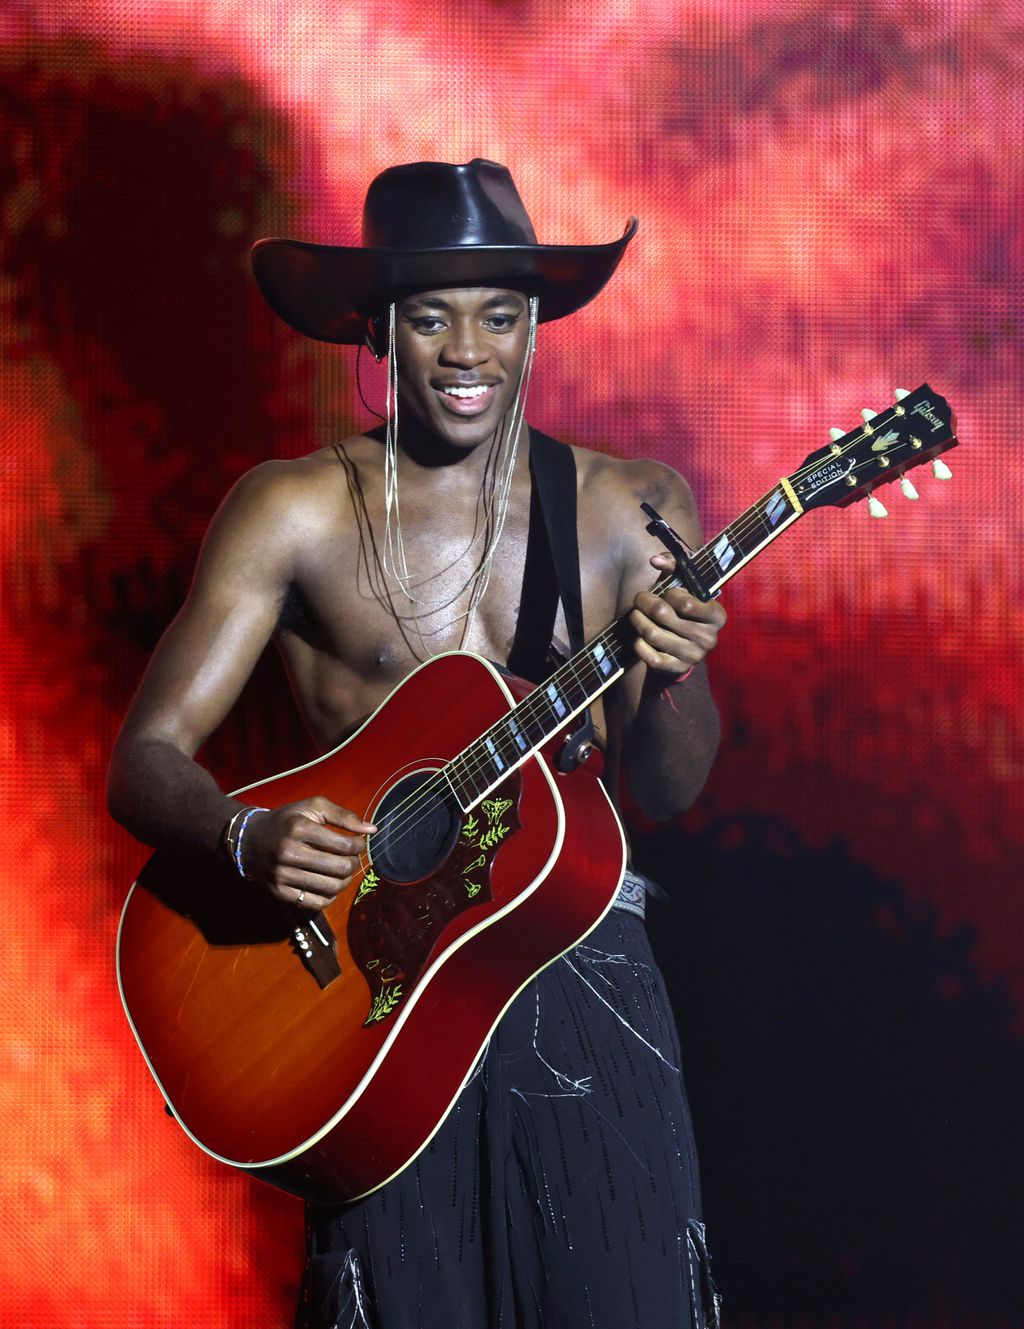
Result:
<point x="465" y="345"/>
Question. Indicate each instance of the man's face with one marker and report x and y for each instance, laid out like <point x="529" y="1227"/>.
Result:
<point x="460" y="358"/>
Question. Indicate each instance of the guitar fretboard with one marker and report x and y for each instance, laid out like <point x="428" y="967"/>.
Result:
<point x="576" y="684"/>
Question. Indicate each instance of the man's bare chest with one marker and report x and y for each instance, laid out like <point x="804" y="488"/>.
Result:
<point x="350" y="629"/>
<point x="374" y="602"/>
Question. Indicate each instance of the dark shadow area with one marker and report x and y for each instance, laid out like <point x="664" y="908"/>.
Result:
<point x="857" y="1090"/>
<point x="131" y="196"/>
<point x="130" y="272"/>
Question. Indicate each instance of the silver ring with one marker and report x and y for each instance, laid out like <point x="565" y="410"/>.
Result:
<point x="301" y="897"/>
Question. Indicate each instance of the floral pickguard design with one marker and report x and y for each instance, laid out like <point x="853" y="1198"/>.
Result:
<point x="392" y="926"/>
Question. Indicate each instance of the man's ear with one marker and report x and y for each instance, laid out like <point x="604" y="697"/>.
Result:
<point x="376" y="339"/>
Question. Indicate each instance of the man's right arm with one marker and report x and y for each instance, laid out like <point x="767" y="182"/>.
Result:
<point x="156" y="789"/>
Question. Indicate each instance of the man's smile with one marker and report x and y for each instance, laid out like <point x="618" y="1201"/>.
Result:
<point x="466" y="399"/>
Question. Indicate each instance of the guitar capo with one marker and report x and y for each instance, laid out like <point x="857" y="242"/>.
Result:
<point x="686" y="569"/>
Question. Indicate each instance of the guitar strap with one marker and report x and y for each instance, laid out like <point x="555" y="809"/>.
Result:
<point x="552" y="570"/>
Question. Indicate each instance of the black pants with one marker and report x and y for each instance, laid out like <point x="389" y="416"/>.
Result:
<point x="562" y="1191"/>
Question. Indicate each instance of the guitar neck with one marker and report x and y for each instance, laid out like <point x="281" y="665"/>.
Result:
<point x="478" y="769"/>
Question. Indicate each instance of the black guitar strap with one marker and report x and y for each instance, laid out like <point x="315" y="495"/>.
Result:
<point x="552" y="570"/>
<point x="555" y="479"/>
<point x="538" y="599"/>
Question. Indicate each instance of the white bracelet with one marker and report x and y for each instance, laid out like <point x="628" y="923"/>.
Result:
<point x="238" y="843"/>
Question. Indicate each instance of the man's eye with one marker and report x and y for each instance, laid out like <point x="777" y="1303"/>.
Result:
<point x="426" y="324"/>
<point x="502" y="322"/>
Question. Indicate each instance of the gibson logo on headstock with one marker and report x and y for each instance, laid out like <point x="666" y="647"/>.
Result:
<point x="829" y="474"/>
<point x="927" y="412"/>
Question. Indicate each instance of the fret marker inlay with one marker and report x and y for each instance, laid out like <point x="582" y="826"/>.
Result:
<point x="520" y="739"/>
<point x="724" y="552"/>
<point x="776" y="507"/>
<point x="559" y="705"/>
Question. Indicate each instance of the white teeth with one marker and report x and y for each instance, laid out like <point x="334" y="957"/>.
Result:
<point x="477" y="391"/>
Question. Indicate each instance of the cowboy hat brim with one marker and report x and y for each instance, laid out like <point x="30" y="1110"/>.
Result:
<point x="329" y="291"/>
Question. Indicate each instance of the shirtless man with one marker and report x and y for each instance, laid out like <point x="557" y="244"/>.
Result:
<point x="293" y="554"/>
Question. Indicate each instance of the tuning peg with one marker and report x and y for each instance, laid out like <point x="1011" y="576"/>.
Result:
<point x="908" y="489"/>
<point x="900" y="393"/>
<point x="867" y="415"/>
<point x="836" y="434"/>
<point x="875" y="508"/>
<point x="940" y="470"/>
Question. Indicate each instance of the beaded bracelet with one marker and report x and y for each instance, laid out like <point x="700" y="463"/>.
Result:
<point x="237" y="851"/>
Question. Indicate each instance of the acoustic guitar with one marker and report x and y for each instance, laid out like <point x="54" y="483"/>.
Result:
<point x="321" y="1052"/>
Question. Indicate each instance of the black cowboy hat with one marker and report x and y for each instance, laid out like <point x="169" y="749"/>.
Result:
<point x="429" y="225"/>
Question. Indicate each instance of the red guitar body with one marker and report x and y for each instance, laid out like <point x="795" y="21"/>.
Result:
<point x="328" y="1089"/>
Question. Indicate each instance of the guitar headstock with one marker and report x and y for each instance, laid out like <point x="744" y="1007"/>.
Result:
<point x="917" y="428"/>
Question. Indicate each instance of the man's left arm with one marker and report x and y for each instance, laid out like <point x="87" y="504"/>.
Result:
<point x="672" y="728"/>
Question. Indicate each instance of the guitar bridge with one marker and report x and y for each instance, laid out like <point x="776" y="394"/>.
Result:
<point x="316" y="946"/>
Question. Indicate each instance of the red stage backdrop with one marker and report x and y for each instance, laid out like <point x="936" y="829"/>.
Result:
<point x="830" y="199"/>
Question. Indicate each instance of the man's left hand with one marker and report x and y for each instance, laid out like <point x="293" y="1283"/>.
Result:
<point x="674" y="631"/>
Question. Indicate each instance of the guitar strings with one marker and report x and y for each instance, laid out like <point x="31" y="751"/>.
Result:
<point x="705" y="560"/>
<point x="401" y="820"/>
<point x="754" y="515"/>
<point x="401" y="823"/>
<point x="532" y="707"/>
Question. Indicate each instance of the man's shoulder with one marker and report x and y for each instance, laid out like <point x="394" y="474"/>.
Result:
<point x="628" y="481"/>
<point x="296" y="491"/>
<point x="289" y="479"/>
<point x="611" y="490"/>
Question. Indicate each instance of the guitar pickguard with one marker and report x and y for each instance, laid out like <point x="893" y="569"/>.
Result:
<point x="394" y="925"/>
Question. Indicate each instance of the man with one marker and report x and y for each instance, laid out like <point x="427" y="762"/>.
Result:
<point x="562" y="1189"/>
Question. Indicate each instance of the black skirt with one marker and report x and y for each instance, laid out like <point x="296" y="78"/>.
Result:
<point x="561" y="1193"/>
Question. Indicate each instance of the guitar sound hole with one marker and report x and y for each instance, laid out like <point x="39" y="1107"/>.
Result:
<point x="417" y="828"/>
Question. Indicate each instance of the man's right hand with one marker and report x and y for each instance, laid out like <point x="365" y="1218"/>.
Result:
<point x="295" y="851"/>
